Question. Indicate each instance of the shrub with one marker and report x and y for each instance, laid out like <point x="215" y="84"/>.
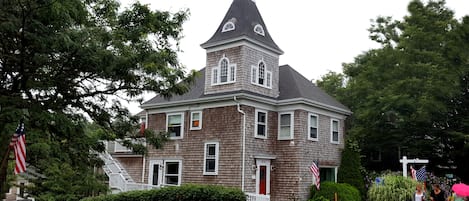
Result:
<point x="349" y="170"/>
<point x="344" y="191"/>
<point x="394" y="187"/>
<point x="190" y="192"/>
<point x="319" y="198"/>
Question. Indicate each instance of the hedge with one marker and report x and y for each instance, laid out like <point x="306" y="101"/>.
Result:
<point x="189" y="192"/>
<point x="344" y="192"/>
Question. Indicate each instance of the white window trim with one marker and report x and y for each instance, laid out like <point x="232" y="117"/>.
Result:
<point x="292" y="125"/>
<point x="179" y="172"/>
<point x="335" y="168"/>
<point x="182" y="124"/>
<point x="200" y="120"/>
<point x="338" y="132"/>
<point x="256" y="82"/>
<point x="309" y="127"/>
<point x="229" y="72"/>
<point x="217" y="154"/>
<point x="256" y="123"/>
<point x="226" y="28"/>
<point x="262" y="32"/>
<point x="160" y="172"/>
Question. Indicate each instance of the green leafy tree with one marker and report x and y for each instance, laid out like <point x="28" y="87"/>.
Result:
<point x="63" y="63"/>
<point x="409" y="97"/>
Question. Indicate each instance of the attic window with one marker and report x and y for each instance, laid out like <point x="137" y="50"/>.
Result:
<point x="258" y="29"/>
<point x="229" y="26"/>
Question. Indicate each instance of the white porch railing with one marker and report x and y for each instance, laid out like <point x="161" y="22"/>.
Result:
<point x="257" y="197"/>
<point x="119" y="179"/>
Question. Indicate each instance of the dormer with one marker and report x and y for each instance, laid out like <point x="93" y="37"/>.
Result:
<point x="242" y="48"/>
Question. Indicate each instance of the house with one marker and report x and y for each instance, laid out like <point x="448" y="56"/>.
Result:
<point x="246" y="122"/>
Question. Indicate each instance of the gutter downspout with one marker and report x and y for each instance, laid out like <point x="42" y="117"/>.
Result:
<point x="243" y="144"/>
<point x="143" y="155"/>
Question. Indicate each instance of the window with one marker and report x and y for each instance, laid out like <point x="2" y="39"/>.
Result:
<point x="224" y="73"/>
<point x="172" y="172"/>
<point x="376" y="156"/>
<point x="175" y="125"/>
<point x="196" y="120"/>
<point x="224" y="70"/>
<point x="334" y="131"/>
<point x="313" y="127"/>
<point x="260" y="75"/>
<point x="328" y="174"/>
<point x="211" y="158"/>
<point x="285" y="126"/>
<point x="228" y="26"/>
<point x="261" y="124"/>
<point x="259" y="29"/>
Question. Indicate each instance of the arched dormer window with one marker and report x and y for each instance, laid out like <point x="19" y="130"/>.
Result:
<point x="228" y="26"/>
<point x="258" y="29"/>
<point x="224" y="73"/>
<point x="260" y="75"/>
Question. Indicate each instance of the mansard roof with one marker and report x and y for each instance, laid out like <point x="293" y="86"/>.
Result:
<point x="292" y="85"/>
<point x="245" y="16"/>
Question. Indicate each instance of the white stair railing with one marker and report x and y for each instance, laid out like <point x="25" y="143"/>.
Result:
<point x="119" y="179"/>
<point x="257" y="197"/>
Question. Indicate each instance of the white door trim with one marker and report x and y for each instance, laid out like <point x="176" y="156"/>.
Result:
<point x="263" y="162"/>
<point x="160" y="171"/>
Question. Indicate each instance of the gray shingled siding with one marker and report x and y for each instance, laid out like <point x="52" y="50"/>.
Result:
<point x="222" y="125"/>
<point x="244" y="57"/>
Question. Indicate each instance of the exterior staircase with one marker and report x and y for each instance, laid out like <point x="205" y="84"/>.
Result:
<point x="119" y="179"/>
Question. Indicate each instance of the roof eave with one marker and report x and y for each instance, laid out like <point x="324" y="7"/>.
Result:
<point x="315" y="104"/>
<point x="208" y="44"/>
<point x="251" y="97"/>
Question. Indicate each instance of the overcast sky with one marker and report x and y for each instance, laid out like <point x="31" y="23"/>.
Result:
<point x="316" y="36"/>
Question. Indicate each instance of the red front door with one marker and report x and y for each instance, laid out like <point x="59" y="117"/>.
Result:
<point x="262" y="180"/>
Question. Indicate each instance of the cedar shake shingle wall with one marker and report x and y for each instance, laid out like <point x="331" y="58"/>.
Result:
<point x="290" y="176"/>
<point x="133" y="166"/>
<point x="329" y="154"/>
<point x="244" y="57"/>
<point x="222" y="125"/>
<point x="213" y="59"/>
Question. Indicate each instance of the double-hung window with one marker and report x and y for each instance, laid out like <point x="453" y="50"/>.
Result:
<point x="224" y="73"/>
<point x="261" y="124"/>
<point x="196" y="120"/>
<point x="172" y="174"/>
<point x="260" y="75"/>
<point x="175" y="125"/>
<point x="335" y="131"/>
<point x="285" y="126"/>
<point x="313" y="127"/>
<point x="211" y="158"/>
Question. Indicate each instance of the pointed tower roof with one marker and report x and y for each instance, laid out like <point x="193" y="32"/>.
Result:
<point x="248" y="25"/>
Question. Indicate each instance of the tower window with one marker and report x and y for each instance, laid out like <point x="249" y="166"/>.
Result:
<point x="229" y="26"/>
<point x="224" y="73"/>
<point x="258" y="29"/>
<point x="260" y="75"/>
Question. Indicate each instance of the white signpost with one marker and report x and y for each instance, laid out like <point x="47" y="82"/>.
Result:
<point x="406" y="161"/>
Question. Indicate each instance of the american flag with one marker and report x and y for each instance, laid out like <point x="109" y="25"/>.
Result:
<point x="421" y="174"/>
<point x="19" y="144"/>
<point x="315" y="170"/>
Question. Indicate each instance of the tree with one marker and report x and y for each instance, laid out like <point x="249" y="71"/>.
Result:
<point x="408" y="96"/>
<point x="60" y="64"/>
